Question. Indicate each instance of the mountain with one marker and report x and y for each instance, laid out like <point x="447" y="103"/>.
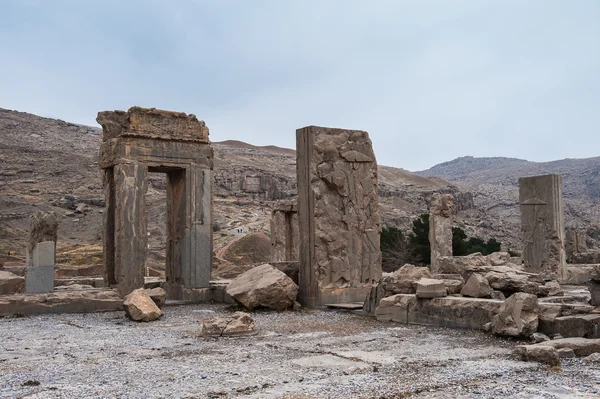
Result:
<point x="494" y="182"/>
<point x="49" y="164"/>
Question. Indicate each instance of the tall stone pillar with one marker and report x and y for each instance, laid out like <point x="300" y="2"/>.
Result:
<point x="440" y="227"/>
<point x="542" y="225"/>
<point x="130" y="235"/>
<point x="338" y="215"/>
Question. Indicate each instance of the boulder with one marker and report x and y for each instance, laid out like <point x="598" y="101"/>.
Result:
<point x="237" y="323"/>
<point x="140" y="307"/>
<point x="263" y="286"/>
<point x="538" y="353"/>
<point x="539" y="337"/>
<point x="511" y="281"/>
<point x="554" y="288"/>
<point x="158" y="295"/>
<point x="453" y="286"/>
<point x="427" y="288"/>
<point x="10" y="283"/>
<point x="518" y="316"/>
<point x="477" y="287"/>
<point x="594" y="288"/>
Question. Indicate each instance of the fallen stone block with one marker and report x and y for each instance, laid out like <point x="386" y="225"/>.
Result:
<point x="430" y="288"/>
<point x="477" y="287"/>
<point x="453" y="287"/>
<point x="10" y="283"/>
<point x="565" y="353"/>
<point x="539" y="337"/>
<point x="263" y="286"/>
<point x="580" y="346"/>
<point x="454" y="312"/>
<point x="518" y="316"/>
<point x="395" y="308"/>
<point x="579" y="325"/>
<point x="81" y="301"/>
<point x="140" y="307"/>
<point x="541" y="354"/>
<point x="237" y="323"/>
<point x="402" y="280"/>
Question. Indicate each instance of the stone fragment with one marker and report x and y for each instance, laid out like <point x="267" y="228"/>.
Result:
<point x="430" y="288"/>
<point x="395" y="308"/>
<point x="263" y="286"/>
<point x="440" y="227"/>
<point x="403" y="280"/>
<point x="498" y="295"/>
<point x="540" y="337"/>
<point x="593" y="358"/>
<point x="80" y="209"/>
<point x="565" y="353"/>
<point x="453" y="286"/>
<point x="140" y="307"/>
<point x="594" y="288"/>
<point x="518" y="316"/>
<point x="43" y="226"/>
<point x="11" y="283"/>
<point x="237" y="323"/>
<point x="510" y="281"/>
<point x="581" y="346"/>
<point x="338" y="215"/>
<point x="541" y="354"/>
<point x="158" y="295"/>
<point x="477" y="287"/>
<point x="554" y="288"/>
<point x="542" y="225"/>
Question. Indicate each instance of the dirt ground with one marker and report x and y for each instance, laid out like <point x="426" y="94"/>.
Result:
<point x="309" y="354"/>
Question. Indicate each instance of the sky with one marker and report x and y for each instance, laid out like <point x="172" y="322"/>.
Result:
<point x="429" y="80"/>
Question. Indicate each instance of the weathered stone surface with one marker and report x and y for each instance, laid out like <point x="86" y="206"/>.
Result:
<point x="593" y="358"/>
<point x="594" y="288"/>
<point x="538" y="353"/>
<point x="39" y="278"/>
<point x="285" y="237"/>
<point x="236" y="324"/>
<point x="11" y="283"/>
<point x="83" y="301"/>
<point x="539" y="337"/>
<point x="578" y="325"/>
<point x="338" y="212"/>
<point x="453" y="286"/>
<point x="263" y="286"/>
<point x="455" y="312"/>
<point x="510" y="281"/>
<point x="477" y="287"/>
<point x="578" y="274"/>
<point x="581" y="346"/>
<point x="518" y="316"/>
<point x="158" y="295"/>
<point x="565" y="353"/>
<point x="430" y="288"/>
<point x="542" y="225"/>
<point x="140" y="307"/>
<point x="462" y="264"/>
<point x="403" y="280"/>
<point x="152" y="123"/>
<point x="135" y="143"/>
<point x="440" y="227"/>
<point x="554" y="288"/>
<point x="575" y="244"/>
<point x="43" y="226"/>
<point x="498" y="295"/>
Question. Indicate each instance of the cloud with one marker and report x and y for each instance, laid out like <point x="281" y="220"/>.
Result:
<point x="430" y="80"/>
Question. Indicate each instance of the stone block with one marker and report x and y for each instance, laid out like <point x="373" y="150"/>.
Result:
<point x="580" y="346"/>
<point x="579" y="325"/>
<point x="10" y="283"/>
<point x="43" y="254"/>
<point x="518" y="316"/>
<point x="430" y="288"/>
<point x="39" y="279"/>
<point x="594" y="288"/>
<point x="440" y="227"/>
<point x="538" y="353"/>
<point x="477" y="287"/>
<point x="338" y="213"/>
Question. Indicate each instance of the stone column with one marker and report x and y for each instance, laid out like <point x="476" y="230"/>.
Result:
<point x="338" y="215"/>
<point x="440" y="227"/>
<point x="542" y="225"/>
<point x="284" y="232"/>
<point x="40" y="268"/>
<point x="130" y="226"/>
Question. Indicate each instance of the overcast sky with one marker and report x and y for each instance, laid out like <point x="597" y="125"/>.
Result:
<point x="429" y="80"/>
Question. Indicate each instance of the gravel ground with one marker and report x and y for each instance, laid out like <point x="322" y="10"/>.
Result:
<point x="316" y="354"/>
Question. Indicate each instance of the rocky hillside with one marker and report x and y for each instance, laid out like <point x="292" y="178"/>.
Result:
<point x="50" y="164"/>
<point x="494" y="183"/>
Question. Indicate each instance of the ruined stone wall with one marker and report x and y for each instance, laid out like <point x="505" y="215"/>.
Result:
<point x="440" y="227"/>
<point x="338" y="212"/>
<point x="542" y="225"/>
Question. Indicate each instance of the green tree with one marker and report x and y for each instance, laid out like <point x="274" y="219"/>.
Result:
<point x="419" y="239"/>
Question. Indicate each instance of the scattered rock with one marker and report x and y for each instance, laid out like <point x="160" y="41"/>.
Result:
<point x="430" y="288"/>
<point x="554" y="288"/>
<point x="81" y="208"/>
<point x="238" y="323"/>
<point x="594" y="288"/>
<point x="565" y="353"/>
<point x="540" y="337"/>
<point x="477" y="287"/>
<point x="140" y="307"/>
<point x="453" y="286"/>
<point x="402" y="281"/>
<point x="518" y="316"/>
<point x="498" y="295"/>
<point x="10" y="283"/>
<point x="537" y="353"/>
<point x="158" y="295"/>
<point x="581" y="346"/>
<point x="263" y="286"/>
<point x="593" y="358"/>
